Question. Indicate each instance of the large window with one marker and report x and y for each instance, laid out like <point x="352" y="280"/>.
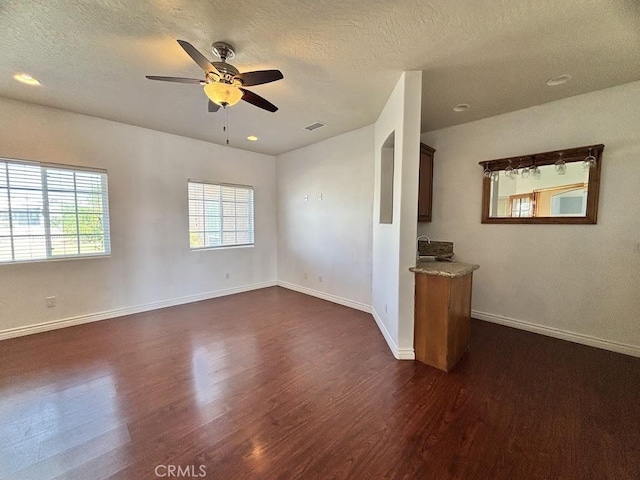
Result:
<point x="52" y="211"/>
<point x="220" y="215"/>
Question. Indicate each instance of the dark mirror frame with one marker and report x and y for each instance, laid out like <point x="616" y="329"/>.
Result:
<point x="547" y="158"/>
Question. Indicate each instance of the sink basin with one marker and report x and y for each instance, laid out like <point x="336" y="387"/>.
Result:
<point x="434" y="249"/>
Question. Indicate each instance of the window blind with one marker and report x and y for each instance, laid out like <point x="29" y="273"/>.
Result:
<point x="52" y="211"/>
<point x="220" y="215"/>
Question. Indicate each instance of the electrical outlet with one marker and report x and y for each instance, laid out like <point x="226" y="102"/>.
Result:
<point x="306" y="276"/>
<point x="226" y="275"/>
<point x="320" y="196"/>
<point x="306" y="198"/>
<point x="320" y="278"/>
<point x="51" y="302"/>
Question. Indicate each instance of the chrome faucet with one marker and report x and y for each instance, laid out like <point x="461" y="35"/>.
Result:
<point x="421" y="237"/>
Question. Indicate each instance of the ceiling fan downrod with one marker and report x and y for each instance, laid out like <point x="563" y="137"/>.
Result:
<point x="223" y="51"/>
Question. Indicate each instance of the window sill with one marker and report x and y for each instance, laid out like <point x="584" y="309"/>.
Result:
<point x="230" y="247"/>
<point x="56" y="259"/>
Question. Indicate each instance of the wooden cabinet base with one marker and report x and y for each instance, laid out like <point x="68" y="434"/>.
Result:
<point x="442" y="319"/>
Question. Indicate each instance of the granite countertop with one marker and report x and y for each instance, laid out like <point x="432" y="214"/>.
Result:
<point x="445" y="269"/>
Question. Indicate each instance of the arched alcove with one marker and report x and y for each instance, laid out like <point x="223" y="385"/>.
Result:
<point x="386" y="179"/>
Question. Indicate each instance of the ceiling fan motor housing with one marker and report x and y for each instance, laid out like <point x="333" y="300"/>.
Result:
<point x="228" y="71"/>
<point x="224" y="52"/>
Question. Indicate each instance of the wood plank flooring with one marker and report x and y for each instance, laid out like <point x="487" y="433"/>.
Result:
<point x="273" y="384"/>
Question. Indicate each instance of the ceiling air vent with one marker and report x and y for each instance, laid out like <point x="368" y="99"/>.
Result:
<point x="314" y="126"/>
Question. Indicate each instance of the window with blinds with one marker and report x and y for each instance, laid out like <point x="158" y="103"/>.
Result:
<point x="52" y="211"/>
<point x="220" y="215"/>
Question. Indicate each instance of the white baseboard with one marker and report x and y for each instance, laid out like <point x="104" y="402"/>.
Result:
<point x="558" y="333"/>
<point x="326" y="296"/>
<point x="399" y="353"/>
<point x="119" y="312"/>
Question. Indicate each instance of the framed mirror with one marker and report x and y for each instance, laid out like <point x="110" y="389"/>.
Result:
<point x="551" y="187"/>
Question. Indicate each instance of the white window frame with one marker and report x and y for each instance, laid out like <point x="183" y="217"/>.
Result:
<point x="46" y="191"/>
<point x="196" y="213"/>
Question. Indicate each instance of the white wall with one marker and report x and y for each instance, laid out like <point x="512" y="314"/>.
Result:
<point x="580" y="282"/>
<point x="394" y="244"/>
<point x="151" y="264"/>
<point x="329" y="237"/>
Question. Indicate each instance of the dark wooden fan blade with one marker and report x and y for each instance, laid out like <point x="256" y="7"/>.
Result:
<point x="198" y="57"/>
<point x="213" y="107"/>
<point x="249" y="79"/>
<point x="258" y="101"/>
<point x="175" y="79"/>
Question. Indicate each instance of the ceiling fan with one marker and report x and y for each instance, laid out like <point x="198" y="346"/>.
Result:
<point x="223" y="83"/>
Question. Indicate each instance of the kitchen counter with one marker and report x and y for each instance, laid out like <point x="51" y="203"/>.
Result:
<point x="444" y="269"/>
<point x="442" y="324"/>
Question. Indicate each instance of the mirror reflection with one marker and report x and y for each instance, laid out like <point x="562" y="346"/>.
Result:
<point x="556" y="190"/>
<point x="558" y="187"/>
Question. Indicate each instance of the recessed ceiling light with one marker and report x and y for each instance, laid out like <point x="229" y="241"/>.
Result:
<point x="559" y="80"/>
<point x="26" y="78"/>
<point x="461" y="107"/>
<point x="252" y="138"/>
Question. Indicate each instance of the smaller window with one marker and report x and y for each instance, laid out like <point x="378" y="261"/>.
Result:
<point x="521" y="205"/>
<point x="220" y="215"/>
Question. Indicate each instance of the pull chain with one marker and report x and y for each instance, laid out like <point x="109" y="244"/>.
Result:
<point x="225" y="128"/>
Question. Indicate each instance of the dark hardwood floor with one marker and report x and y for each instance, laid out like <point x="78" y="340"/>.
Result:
<point x="276" y="384"/>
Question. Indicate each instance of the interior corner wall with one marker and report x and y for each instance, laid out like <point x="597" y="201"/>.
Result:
<point x="151" y="265"/>
<point x="324" y="199"/>
<point x="577" y="282"/>
<point x="394" y="244"/>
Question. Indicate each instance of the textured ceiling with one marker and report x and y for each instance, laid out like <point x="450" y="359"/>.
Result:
<point x="340" y="59"/>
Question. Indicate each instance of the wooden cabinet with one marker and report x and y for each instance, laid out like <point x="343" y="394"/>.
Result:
<point x="442" y="319"/>
<point x="425" y="185"/>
